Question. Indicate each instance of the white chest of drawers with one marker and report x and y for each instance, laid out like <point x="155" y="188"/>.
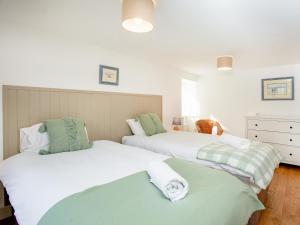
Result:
<point x="280" y="131"/>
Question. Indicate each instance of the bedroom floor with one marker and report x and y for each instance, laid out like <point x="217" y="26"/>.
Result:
<point x="284" y="198"/>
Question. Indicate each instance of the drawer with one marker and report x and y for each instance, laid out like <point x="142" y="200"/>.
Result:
<point x="290" y="154"/>
<point x="274" y="137"/>
<point x="272" y="125"/>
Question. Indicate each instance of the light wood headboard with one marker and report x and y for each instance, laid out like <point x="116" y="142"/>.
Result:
<point x="105" y="113"/>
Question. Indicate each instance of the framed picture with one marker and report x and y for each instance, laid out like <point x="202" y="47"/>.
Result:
<point x="281" y="88"/>
<point x="108" y="75"/>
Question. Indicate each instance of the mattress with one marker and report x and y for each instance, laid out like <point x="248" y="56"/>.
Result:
<point x="185" y="145"/>
<point x="35" y="183"/>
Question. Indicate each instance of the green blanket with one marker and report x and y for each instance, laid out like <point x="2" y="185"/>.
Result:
<point x="259" y="161"/>
<point x="215" y="198"/>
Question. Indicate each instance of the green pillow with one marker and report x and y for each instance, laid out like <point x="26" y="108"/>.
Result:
<point x="159" y="127"/>
<point x="65" y="135"/>
<point x="147" y="124"/>
<point x="151" y="124"/>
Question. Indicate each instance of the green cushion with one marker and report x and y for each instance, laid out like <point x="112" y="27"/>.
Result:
<point x="159" y="127"/>
<point x="65" y="135"/>
<point x="147" y="124"/>
<point x="151" y="124"/>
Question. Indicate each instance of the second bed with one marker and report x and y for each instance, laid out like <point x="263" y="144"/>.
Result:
<point x="189" y="145"/>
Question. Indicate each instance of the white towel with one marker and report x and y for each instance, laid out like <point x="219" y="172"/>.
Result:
<point x="171" y="184"/>
<point x="237" y="142"/>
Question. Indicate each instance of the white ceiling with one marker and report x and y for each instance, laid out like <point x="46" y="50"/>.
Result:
<point x="188" y="34"/>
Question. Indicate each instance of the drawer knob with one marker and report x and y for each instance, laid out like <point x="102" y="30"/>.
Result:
<point x="291" y="154"/>
<point x="256" y="124"/>
<point x="291" y="127"/>
<point x="256" y="136"/>
<point x="291" y="139"/>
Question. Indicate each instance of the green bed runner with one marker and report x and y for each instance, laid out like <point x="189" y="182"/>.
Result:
<point x="215" y="198"/>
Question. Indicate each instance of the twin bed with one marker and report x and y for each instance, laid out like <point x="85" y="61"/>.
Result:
<point x="256" y="170"/>
<point x="107" y="184"/>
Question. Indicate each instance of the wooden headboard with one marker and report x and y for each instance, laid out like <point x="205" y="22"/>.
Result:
<point x="105" y="113"/>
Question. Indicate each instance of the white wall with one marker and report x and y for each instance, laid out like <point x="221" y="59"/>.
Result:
<point x="230" y="96"/>
<point x="30" y="58"/>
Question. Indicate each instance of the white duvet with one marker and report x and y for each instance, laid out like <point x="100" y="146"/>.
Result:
<point x="184" y="145"/>
<point x="35" y="183"/>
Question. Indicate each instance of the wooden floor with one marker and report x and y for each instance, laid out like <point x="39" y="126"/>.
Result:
<point x="283" y="206"/>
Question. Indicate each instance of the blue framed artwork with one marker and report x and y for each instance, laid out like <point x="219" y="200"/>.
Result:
<point x="108" y="75"/>
<point x="281" y="88"/>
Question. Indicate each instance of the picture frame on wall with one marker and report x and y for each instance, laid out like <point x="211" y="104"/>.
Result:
<point x="281" y="88"/>
<point x="108" y="75"/>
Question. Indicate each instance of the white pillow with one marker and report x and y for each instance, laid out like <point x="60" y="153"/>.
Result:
<point x="32" y="140"/>
<point x="136" y="127"/>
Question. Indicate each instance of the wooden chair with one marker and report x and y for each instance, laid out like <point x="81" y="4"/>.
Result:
<point x="206" y="126"/>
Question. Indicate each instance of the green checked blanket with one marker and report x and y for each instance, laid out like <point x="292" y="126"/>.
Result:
<point x="259" y="161"/>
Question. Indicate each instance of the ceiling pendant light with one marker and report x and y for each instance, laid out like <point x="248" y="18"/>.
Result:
<point x="224" y="62"/>
<point x="138" y="15"/>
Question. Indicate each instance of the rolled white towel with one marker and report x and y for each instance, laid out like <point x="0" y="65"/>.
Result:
<point x="237" y="142"/>
<point x="171" y="184"/>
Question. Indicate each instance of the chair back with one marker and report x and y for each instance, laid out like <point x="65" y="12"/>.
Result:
<point x="206" y="126"/>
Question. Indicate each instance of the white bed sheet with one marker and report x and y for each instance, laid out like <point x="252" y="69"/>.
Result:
<point x="184" y="145"/>
<point x="35" y="183"/>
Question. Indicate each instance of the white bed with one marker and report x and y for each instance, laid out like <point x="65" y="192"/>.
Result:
<point x="184" y="145"/>
<point x="53" y="177"/>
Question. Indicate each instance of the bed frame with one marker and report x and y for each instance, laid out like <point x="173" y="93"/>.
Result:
<point x="105" y="114"/>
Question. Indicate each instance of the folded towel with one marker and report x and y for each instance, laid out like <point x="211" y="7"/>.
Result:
<point x="234" y="141"/>
<point x="171" y="184"/>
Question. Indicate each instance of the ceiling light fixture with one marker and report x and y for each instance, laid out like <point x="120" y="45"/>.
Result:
<point x="138" y="15"/>
<point x="224" y="62"/>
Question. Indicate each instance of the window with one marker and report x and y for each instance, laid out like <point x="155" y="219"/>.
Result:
<point x="189" y="98"/>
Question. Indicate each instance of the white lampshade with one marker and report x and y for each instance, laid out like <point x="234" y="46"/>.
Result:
<point x="138" y="15"/>
<point x="224" y="63"/>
